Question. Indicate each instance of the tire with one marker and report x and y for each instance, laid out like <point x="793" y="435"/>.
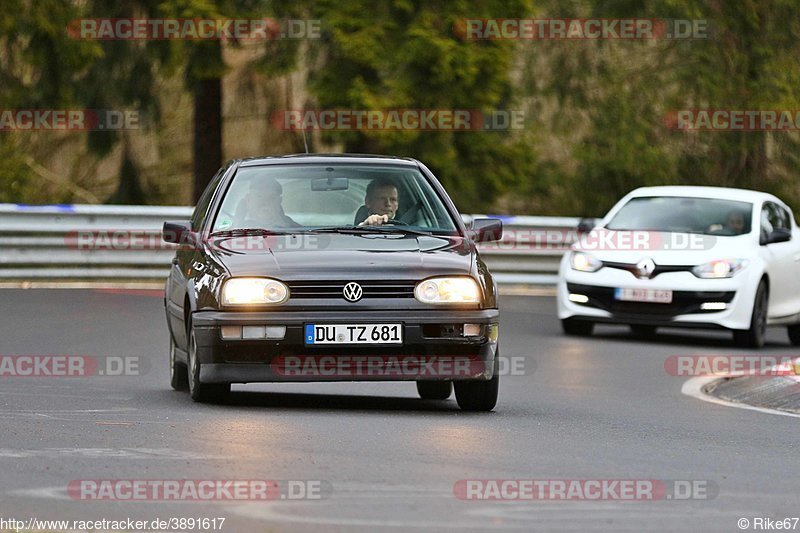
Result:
<point x="643" y="331"/>
<point x="434" y="390"/>
<point x="794" y="334"/>
<point x="479" y="395"/>
<point x="580" y="328"/>
<point x="178" y="378"/>
<point x="755" y="335"/>
<point x="202" y="392"/>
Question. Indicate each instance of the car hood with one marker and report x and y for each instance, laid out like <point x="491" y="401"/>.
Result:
<point x="667" y="248"/>
<point x="342" y="256"/>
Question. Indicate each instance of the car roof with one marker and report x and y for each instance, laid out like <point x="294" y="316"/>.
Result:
<point x="327" y="158"/>
<point x="695" y="191"/>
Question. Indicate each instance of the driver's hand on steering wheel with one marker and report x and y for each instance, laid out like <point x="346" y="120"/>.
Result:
<point x="375" y="220"/>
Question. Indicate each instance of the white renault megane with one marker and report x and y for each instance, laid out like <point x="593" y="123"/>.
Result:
<point x="679" y="256"/>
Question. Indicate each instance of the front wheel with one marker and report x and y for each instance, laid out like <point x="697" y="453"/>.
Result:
<point x="434" y="390"/>
<point x="203" y="392"/>
<point x="178" y="378"/>
<point x="643" y="331"/>
<point x="794" y="334"/>
<point x="754" y="336"/>
<point x="479" y="395"/>
<point x="580" y="328"/>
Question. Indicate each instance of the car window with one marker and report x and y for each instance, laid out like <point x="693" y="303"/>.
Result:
<point x="774" y="217"/>
<point x="316" y="195"/>
<point x="677" y="214"/>
<point x="784" y="217"/>
<point x="200" y="211"/>
<point x="766" y="221"/>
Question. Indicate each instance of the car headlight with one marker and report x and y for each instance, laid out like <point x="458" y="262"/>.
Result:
<point x="254" y="291"/>
<point x="455" y="290"/>
<point x="585" y="262"/>
<point x="721" y="268"/>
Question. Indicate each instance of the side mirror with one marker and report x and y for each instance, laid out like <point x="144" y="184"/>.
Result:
<point x="777" y="235"/>
<point x="586" y="225"/>
<point x="177" y="232"/>
<point x="487" y="229"/>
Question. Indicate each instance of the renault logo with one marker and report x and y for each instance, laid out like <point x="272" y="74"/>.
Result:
<point x="645" y="268"/>
<point x="352" y="292"/>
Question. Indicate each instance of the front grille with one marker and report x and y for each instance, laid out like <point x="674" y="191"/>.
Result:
<point x="683" y="302"/>
<point x="659" y="269"/>
<point x="333" y="289"/>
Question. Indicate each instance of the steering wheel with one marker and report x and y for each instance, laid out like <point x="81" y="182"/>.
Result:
<point x="396" y="222"/>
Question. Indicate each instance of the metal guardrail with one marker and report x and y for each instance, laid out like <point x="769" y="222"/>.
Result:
<point x="47" y="243"/>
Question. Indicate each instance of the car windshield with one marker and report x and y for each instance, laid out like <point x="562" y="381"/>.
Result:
<point x="675" y="214"/>
<point x="305" y="197"/>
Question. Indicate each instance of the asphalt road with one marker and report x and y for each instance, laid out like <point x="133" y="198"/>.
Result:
<point x="601" y="408"/>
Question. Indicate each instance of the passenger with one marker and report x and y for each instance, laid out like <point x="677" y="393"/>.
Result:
<point x="262" y="206"/>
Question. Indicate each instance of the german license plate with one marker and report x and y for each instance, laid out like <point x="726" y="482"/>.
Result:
<point x="643" y="295"/>
<point x="354" y="334"/>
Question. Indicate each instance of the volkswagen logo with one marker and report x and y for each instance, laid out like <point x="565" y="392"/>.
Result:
<point x="352" y="292"/>
<point x="645" y="268"/>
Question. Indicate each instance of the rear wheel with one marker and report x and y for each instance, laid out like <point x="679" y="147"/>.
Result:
<point x="581" y="328"/>
<point x="794" y="334"/>
<point x="178" y="378"/>
<point x="203" y="392"/>
<point x="479" y="395"/>
<point x="645" y="332"/>
<point x="434" y="390"/>
<point x="755" y="335"/>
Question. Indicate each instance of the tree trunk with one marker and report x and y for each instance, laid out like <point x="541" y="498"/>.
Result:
<point x="207" y="144"/>
<point x="129" y="190"/>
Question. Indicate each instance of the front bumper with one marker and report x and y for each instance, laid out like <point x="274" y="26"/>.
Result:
<point x="689" y="292"/>
<point x="426" y="354"/>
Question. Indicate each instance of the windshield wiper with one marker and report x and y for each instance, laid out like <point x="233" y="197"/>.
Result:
<point x="347" y="229"/>
<point x="391" y="228"/>
<point x="360" y="230"/>
<point x="659" y="230"/>
<point x="241" y="232"/>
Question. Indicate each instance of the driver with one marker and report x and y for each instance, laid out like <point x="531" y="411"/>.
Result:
<point x="735" y="222"/>
<point x="381" y="201"/>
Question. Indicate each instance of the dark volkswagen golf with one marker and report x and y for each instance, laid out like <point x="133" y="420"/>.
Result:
<point x="332" y="268"/>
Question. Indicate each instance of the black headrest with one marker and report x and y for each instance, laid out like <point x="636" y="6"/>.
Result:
<point x="361" y="215"/>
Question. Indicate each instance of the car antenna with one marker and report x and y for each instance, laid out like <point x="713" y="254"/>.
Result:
<point x="305" y="141"/>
